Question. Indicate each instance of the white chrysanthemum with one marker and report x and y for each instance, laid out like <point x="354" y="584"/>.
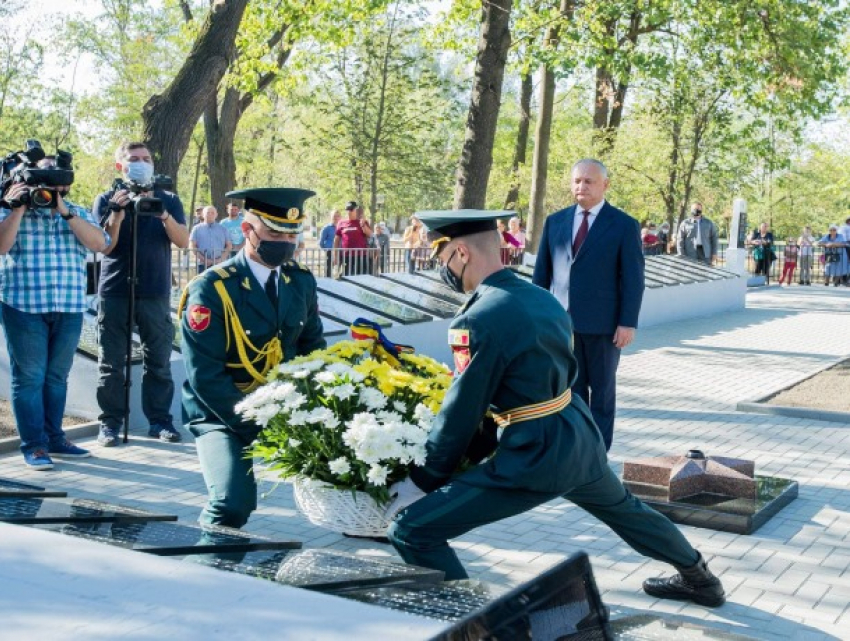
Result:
<point x="294" y="442"/>
<point x="298" y="417"/>
<point x="313" y="365"/>
<point x="301" y="373"/>
<point x="399" y="407"/>
<point x="356" y="377"/>
<point x="282" y="391"/>
<point x="294" y="401"/>
<point x="325" y="378"/>
<point x="372" y="398"/>
<point x="265" y="413"/>
<point x="377" y="475"/>
<point x="323" y="415"/>
<point x="388" y="417"/>
<point x="343" y="392"/>
<point x="340" y="466"/>
<point x="340" y="369"/>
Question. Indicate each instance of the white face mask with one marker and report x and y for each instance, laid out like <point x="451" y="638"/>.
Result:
<point x="139" y="172"/>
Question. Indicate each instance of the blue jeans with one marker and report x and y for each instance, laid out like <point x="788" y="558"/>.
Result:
<point x="41" y="352"/>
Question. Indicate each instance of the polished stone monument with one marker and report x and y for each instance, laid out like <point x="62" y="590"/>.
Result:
<point x="714" y="492"/>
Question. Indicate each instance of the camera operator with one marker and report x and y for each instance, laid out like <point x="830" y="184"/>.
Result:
<point x="156" y="232"/>
<point x="42" y="290"/>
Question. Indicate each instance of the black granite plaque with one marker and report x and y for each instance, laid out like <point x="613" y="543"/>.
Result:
<point x="427" y="285"/>
<point x="39" y="510"/>
<point x="562" y="603"/>
<point x="414" y="298"/>
<point x="171" y="539"/>
<point x="345" y="313"/>
<point x="320" y="570"/>
<point x="370" y="302"/>
<point x="14" y="488"/>
<point x="673" y="259"/>
<point x="718" y="512"/>
<point x="448" y="601"/>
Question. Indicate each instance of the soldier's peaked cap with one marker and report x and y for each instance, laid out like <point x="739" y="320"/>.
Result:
<point x="443" y="226"/>
<point x="280" y="208"/>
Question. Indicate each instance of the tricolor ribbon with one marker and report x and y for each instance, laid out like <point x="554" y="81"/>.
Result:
<point x="364" y="330"/>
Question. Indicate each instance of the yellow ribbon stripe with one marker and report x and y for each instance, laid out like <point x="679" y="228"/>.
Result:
<point x="271" y="353"/>
<point x="536" y="410"/>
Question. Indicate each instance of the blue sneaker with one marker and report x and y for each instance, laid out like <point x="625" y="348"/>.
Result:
<point x="38" y="460"/>
<point x="66" y="449"/>
<point x="108" y="436"/>
<point x="165" y="432"/>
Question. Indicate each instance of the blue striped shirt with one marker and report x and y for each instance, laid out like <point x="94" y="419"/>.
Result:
<point x="45" y="270"/>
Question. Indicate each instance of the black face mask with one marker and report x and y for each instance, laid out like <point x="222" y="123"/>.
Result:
<point x="451" y="279"/>
<point x="274" y="252"/>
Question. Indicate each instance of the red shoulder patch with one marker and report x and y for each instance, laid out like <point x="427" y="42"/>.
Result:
<point x="462" y="358"/>
<point x="199" y="317"/>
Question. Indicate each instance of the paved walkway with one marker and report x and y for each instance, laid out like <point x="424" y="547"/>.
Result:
<point x="679" y="385"/>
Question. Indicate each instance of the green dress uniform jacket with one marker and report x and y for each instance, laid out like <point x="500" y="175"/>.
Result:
<point x="213" y="386"/>
<point x="512" y="346"/>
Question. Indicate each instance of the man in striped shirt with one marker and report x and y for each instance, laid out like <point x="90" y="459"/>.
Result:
<point x="42" y="300"/>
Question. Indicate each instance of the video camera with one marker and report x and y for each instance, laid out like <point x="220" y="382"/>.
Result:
<point x="139" y="204"/>
<point x="22" y="167"/>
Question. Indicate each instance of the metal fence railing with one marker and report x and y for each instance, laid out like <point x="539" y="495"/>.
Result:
<point x="776" y="266"/>
<point x="329" y="263"/>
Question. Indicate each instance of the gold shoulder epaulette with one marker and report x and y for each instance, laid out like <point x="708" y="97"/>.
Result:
<point x="218" y="271"/>
<point x="294" y="264"/>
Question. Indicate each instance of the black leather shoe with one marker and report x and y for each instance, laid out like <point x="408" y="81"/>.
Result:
<point x="695" y="583"/>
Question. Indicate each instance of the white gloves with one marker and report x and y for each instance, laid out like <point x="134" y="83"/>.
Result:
<point x="403" y="494"/>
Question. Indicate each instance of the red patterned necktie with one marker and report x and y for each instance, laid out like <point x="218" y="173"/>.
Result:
<point x="581" y="234"/>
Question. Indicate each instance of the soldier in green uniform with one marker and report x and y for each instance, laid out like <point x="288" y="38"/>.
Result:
<point x="512" y="346"/>
<point x="238" y="321"/>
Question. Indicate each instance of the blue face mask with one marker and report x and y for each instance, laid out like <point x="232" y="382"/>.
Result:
<point x="140" y="172"/>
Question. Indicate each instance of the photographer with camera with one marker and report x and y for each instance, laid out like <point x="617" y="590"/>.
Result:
<point x="160" y="221"/>
<point x="44" y="239"/>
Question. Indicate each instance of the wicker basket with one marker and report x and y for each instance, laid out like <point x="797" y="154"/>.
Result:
<point x="339" y="510"/>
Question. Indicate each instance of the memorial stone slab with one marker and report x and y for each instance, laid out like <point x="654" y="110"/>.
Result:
<point x="320" y="570"/>
<point x="414" y="298"/>
<point x="39" y="510"/>
<point x="345" y="313"/>
<point x="427" y="285"/>
<point x="371" y="302"/>
<point x="170" y="539"/>
<point x="15" y="489"/>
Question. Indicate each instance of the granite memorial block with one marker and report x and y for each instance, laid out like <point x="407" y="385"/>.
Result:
<point x="39" y="510"/>
<point x="714" y="492"/>
<point x="428" y="286"/>
<point x="14" y="488"/>
<point x="344" y="313"/>
<point x="170" y="539"/>
<point x="319" y="570"/>
<point x="407" y="295"/>
<point x="371" y="302"/>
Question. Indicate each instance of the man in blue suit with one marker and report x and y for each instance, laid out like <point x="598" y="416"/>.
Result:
<point x="590" y="257"/>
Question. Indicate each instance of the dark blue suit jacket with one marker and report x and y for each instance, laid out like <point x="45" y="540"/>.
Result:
<point x="606" y="281"/>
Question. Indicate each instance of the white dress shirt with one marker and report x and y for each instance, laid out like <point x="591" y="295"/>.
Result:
<point x="261" y="272"/>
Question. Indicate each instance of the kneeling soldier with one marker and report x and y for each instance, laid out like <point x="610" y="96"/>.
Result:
<point x="547" y="446"/>
<point x="238" y="321"/>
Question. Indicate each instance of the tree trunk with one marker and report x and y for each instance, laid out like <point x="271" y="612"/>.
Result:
<point x="477" y="155"/>
<point x="220" y="131"/>
<point x="170" y="117"/>
<point x="512" y="199"/>
<point x="540" y="160"/>
<point x="542" y="136"/>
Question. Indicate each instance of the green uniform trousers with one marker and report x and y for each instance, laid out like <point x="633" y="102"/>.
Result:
<point x="229" y="477"/>
<point x="421" y="532"/>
